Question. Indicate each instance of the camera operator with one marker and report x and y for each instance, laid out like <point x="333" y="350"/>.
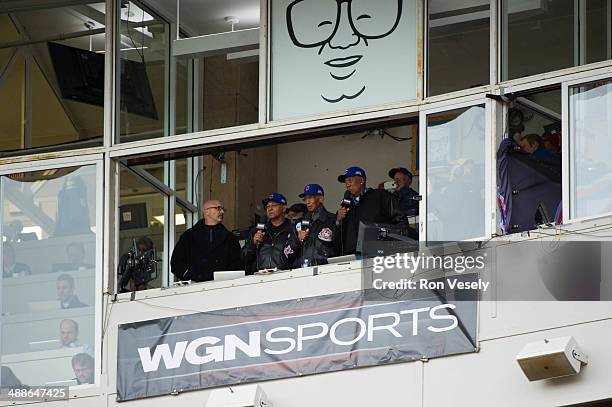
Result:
<point x="314" y="243"/>
<point x="137" y="267"/>
<point x="362" y="204"/>
<point x="266" y="246"/>
<point x="408" y="197"/>
<point x="206" y="247"/>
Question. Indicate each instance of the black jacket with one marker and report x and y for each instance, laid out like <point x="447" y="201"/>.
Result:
<point x="204" y="249"/>
<point x="375" y="206"/>
<point x="407" y="204"/>
<point x="270" y="253"/>
<point x="319" y="245"/>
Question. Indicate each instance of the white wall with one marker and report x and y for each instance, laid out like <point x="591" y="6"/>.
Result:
<point x="322" y="160"/>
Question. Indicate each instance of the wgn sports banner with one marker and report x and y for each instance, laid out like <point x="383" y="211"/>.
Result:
<point x="291" y="338"/>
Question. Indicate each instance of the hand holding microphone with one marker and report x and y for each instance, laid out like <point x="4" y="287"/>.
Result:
<point x="260" y="233"/>
<point x="304" y="229"/>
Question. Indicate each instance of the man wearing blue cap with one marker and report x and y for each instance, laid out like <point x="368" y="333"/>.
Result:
<point x="362" y="204"/>
<point x="408" y="197"/>
<point x="314" y="243"/>
<point x="266" y="246"/>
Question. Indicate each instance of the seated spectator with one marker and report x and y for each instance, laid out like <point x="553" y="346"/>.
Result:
<point x="12" y="268"/>
<point x="83" y="367"/>
<point x="65" y="292"/>
<point x="552" y="142"/>
<point x="69" y="336"/>
<point x="533" y="144"/>
<point x="75" y="254"/>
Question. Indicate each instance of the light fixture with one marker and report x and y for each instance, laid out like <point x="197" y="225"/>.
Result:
<point x="233" y="20"/>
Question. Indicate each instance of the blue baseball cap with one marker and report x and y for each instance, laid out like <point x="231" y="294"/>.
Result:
<point x="312" y="189"/>
<point x="403" y="170"/>
<point x="275" y="197"/>
<point x="352" y="172"/>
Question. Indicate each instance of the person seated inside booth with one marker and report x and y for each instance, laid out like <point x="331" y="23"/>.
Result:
<point x="75" y="256"/>
<point x="534" y="145"/>
<point x="65" y="292"/>
<point x="83" y="367"/>
<point x="10" y="266"/>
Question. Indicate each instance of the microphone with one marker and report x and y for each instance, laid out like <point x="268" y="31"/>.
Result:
<point x="261" y="226"/>
<point x="305" y="225"/>
<point x="347" y="201"/>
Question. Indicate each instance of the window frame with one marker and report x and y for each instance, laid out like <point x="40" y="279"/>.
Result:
<point x="82" y="161"/>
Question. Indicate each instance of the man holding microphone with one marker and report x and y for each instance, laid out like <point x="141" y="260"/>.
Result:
<point x="314" y="242"/>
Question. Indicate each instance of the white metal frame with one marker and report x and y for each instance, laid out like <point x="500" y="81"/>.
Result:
<point x="489" y="135"/>
<point x="87" y="160"/>
<point x="566" y="140"/>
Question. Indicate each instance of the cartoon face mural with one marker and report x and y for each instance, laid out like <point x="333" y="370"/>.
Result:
<point x="330" y="55"/>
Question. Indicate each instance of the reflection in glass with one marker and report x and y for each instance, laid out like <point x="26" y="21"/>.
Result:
<point x="590" y="152"/>
<point x="143" y="42"/>
<point x="48" y="278"/>
<point x="458" y="45"/>
<point x="540" y="37"/>
<point x="55" y="85"/>
<point x="456" y="174"/>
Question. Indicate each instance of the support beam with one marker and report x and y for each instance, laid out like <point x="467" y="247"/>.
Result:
<point x="216" y="44"/>
<point x="26" y="205"/>
<point x="160" y="186"/>
<point x="37" y="58"/>
<point x="544" y="111"/>
<point x="8" y="65"/>
<point x="19" y="6"/>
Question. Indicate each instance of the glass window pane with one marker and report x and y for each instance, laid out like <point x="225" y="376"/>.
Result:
<point x="56" y="86"/>
<point x="598" y="30"/>
<point x="341" y="55"/>
<point x="230" y="95"/>
<point x="143" y="53"/>
<point x="48" y="330"/>
<point x="458" y="49"/>
<point x="539" y="37"/>
<point x="456" y="174"/>
<point x="590" y="152"/>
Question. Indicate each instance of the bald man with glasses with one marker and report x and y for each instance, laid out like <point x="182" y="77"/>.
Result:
<point x="206" y="247"/>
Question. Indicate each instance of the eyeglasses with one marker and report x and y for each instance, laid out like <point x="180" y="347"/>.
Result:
<point x="219" y="208"/>
<point x="313" y="23"/>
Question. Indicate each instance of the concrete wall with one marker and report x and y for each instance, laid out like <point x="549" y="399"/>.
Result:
<point x="322" y="160"/>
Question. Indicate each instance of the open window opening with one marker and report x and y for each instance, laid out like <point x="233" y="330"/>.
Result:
<point x="529" y="162"/>
<point x="241" y="180"/>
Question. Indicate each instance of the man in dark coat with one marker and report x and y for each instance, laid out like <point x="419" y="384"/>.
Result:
<point x="206" y="247"/>
<point x="408" y="197"/>
<point x="265" y="248"/>
<point x="65" y="292"/>
<point x="364" y="205"/>
<point x="313" y="244"/>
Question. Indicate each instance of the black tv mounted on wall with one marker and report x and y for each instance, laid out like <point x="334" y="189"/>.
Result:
<point x="80" y="75"/>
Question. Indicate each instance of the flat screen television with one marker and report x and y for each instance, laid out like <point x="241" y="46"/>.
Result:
<point x="80" y="75"/>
